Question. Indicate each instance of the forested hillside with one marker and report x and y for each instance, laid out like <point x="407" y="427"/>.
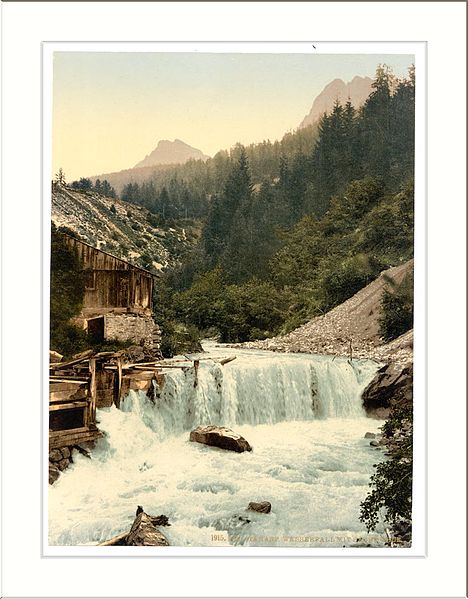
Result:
<point x="273" y="255"/>
<point x="290" y="229"/>
<point x="187" y="190"/>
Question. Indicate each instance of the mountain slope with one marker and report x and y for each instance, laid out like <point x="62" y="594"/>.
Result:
<point x="166" y="155"/>
<point x="355" y="321"/>
<point x="357" y="90"/>
<point x="124" y="230"/>
<point x="171" y="152"/>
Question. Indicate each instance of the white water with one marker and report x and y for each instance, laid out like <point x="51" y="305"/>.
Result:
<point x="302" y="414"/>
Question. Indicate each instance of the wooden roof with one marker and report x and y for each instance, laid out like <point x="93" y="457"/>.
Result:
<point x="133" y="266"/>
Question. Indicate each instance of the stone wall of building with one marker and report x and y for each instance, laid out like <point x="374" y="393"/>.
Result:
<point x="139" y="329"/>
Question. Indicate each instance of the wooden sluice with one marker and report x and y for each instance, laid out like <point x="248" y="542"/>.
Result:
<point x="97" y="380"/>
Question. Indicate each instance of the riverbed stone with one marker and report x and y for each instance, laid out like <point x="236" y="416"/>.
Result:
<point x="144" y="532"/>
<point x="264" y="507"/>
<point x="63" y="464"/>
<point x="54" y="473"/>
<point x="220" y="436"/>
<point x="369" y="436"/>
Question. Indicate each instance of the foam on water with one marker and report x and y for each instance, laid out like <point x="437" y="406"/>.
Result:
<point x="301" y="414"/>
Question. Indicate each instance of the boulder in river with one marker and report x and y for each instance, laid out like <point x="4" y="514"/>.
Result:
<point x="369" y="436"/>
<point x="54" y="473"/>
<point x="220" y="436"/>
<point x="391" y="385"/>
<point x="264" y="507"/>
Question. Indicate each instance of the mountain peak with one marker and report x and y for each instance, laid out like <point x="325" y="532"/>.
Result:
<point x="357" y="91"/>
<point x="171" y="152"/>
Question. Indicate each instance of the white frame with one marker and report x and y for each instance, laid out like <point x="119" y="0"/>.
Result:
<point x="442" y="25"/>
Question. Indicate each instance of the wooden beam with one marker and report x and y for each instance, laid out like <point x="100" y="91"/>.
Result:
<point x="118" y="540"/>
<point x="226" y="360"/>
<point x="81" y="358"/>
<point x="73" y="437"/>
<point x="79" y="380"/>
<point x="91" y="417"/>
<point x="56" y="396"/>
<point x="67" y="406"/>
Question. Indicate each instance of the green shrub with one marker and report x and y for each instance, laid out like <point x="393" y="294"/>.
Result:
<point x="67" y="285"/>
<point x="392" y="483"/>
<point x="396" y="308"/>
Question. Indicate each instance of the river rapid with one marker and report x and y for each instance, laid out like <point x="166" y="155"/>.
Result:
<point x="301" y="413"/>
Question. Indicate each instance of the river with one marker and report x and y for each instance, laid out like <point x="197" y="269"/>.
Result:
<point x="301" y="413"/>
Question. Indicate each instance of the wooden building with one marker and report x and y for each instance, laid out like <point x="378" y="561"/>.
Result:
<point x="112" y="284"/>
<point x="118" y="298"/>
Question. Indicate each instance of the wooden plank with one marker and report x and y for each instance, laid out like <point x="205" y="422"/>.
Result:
<point x="75" y="437"/>
<point x="140" y="376"/>
<point x="118" y="540"/>
<point x="67" y="406"/>
<point x="81" y="358"/>
<point x="226" y="360"/>
<point x="118" y="382"/>
<point x="56" y="396"/>
<point x="75" y="380"/>
<point x="91" y="415"/>
<point x="57" y="386"/>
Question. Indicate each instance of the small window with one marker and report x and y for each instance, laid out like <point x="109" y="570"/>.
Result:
<point x="90" y="279"/>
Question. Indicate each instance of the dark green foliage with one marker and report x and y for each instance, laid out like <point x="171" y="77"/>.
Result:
<point x="102" y="187"/>
<point x="341" y="279"/>
<point x="177" y="338"/>
<point x="391" y="484"/>
<point x="83" y="184"/>
<point x="66" y="296"/>
<point x="237" y="312"/>
<point x="397" y="308"/>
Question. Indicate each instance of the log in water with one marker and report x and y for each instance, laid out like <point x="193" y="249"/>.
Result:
<point x="303" y="416"/>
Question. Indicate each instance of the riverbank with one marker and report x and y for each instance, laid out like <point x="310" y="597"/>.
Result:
<point x="350" y="330"/>
<point x="302" y="340"/>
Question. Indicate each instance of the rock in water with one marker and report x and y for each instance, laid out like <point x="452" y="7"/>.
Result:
<point x="391" y="385"/>
<point x="220" y="436"/>
<point x="369" y="436"/>
<point x="54" y="473"/>
<point x="264" y="507"/>
<point x="144" y="532"/>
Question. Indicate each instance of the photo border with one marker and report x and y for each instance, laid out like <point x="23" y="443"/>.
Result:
<point x="442" y="572"/>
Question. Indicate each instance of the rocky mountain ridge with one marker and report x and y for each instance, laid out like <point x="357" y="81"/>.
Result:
<point x="357" y="91"/>
<point x="124" y="230"/>
<point x="171" y="152"/>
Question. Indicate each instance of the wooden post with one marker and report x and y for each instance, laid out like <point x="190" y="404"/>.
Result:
<point x="92" y="392"/>
<point x="119" y="382"/>
<point x="196" y="364"/>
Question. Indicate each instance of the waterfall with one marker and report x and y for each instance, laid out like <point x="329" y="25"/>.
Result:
<point x="302" y="414"/>
<point x="256" y="388"/>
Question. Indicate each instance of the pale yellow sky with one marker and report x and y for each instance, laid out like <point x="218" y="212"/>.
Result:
<point x="111" y="109"/>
